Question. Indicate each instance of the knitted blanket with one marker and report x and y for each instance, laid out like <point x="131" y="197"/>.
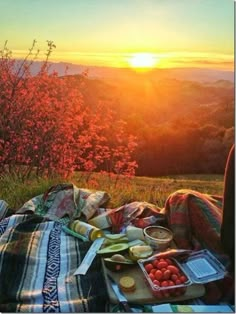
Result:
<point x="195" y="219"/>
<point x="38" y="259"/>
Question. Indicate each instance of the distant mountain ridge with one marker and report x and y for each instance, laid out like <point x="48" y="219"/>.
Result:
<point x="191" y="74"/>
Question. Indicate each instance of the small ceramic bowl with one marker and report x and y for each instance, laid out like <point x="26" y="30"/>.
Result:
<point x="159" y="238"/>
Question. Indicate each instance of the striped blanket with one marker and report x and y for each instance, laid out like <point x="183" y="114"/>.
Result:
<point x="38" y="259"/>
<point x="195" y="219"/>
<point x="37" y="262"/>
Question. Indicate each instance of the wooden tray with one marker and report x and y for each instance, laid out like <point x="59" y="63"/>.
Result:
<point x="142" y="294"/>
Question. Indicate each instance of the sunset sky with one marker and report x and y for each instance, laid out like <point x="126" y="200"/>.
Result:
<point x="178" y="33"/>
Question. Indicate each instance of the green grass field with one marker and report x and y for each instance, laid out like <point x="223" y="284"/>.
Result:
<point x="121" y="189"/>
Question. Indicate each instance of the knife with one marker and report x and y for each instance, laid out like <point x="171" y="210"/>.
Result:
<point x="123" y="302"/>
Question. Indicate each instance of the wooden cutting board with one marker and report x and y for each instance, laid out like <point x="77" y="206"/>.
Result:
<point x="142" y="294"/>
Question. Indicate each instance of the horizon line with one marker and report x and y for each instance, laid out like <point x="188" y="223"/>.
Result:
<point x="122" y="59"/>
<point x="202" y="66"/>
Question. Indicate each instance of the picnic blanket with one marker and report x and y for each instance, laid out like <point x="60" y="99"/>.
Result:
<point x="38" y="259"/>
<point x="195" y="219"/>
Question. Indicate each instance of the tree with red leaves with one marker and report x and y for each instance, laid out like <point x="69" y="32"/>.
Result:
<point x="46" y="128"/>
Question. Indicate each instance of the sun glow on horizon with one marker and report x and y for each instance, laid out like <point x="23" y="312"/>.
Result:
<point x="139" y="62"/>
<point x="143" y="61"/>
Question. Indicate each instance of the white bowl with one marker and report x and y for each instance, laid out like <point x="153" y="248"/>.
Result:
<point x="159" y="238"/>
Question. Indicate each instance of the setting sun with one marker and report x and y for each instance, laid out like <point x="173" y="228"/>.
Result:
<point x="142" y="61"/>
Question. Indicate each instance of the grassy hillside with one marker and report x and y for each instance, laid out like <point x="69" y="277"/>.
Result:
<point x="121" y="190"/>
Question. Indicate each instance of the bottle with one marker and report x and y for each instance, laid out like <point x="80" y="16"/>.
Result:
<point x="88" y="231"/>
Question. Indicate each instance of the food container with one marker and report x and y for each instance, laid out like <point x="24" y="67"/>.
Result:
<point x="170" y="277"/>
<point x="159" y="238"/>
